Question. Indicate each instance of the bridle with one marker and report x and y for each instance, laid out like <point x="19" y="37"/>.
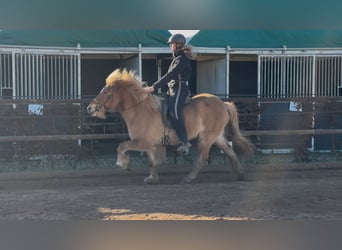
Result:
<point x="99" y="105"/>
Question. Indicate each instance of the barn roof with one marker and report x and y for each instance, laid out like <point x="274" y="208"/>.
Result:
<point x="86" y="38"/>
<point x="268" y="38"/>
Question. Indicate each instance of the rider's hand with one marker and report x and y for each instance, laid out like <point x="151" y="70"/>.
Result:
<point x="149" y="89"/>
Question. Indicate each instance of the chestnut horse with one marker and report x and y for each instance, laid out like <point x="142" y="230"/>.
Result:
<point x="206" y="118"/>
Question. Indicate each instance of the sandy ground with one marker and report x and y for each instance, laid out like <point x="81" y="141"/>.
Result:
<point x="291" y="191"/>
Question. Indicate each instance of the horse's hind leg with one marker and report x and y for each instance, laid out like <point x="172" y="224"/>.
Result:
<point x="203" y="154"/>
<point x="236" y="165"/>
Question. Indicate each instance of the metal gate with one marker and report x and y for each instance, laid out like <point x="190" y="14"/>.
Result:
<point x="40" y="75"/>
<point x="295" y="77"/>
<point x="299" y="75"/>
<point x="6" y="80"/>
<point x="328" y="75"/>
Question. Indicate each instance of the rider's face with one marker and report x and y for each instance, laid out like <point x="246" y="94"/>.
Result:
<point x="173" y="47"/>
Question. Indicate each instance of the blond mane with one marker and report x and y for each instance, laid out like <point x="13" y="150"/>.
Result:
<point x="128" y="79"/>
<point x="124" y="75"/>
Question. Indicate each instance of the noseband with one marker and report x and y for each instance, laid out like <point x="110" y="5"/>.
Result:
<point x="99" y="106"/>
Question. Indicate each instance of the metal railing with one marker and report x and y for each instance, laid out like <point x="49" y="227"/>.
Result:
<point x="37" y="75"/>
<point x="64" y="126"/>
<point x="300" y="75"/>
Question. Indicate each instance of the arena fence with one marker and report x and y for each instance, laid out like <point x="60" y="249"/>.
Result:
<point x="32" y="128"/>
<point x="297" y="108"/>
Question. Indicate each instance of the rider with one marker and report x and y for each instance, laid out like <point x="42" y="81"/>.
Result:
<point x="176" y="79"/>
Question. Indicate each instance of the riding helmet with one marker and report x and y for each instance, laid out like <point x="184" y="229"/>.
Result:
<point x="177" y="38"/>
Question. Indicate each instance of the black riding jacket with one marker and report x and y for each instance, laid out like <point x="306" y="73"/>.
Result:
<point x="179" y="70"/>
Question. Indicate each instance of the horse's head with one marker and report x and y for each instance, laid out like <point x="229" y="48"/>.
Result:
<point x="122" y="91"/>
<point x="104" y="102"/>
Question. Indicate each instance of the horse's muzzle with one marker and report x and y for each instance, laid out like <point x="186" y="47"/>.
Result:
<point x="96" y="110"/>
<point x="90" y="109"/>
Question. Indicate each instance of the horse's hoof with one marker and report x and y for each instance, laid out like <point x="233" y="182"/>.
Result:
<point x="123" y="166"/>
<point x="186" y="180"/>
<point x="119" y="164"/>
<point x="149" y="181"/>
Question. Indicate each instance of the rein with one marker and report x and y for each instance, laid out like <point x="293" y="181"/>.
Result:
<point x="121" y="110"/>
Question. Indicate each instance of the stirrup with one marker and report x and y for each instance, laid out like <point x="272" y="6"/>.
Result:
<point x="184" y="148"/>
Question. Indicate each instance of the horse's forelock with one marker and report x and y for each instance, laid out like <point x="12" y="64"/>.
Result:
<point x="124" y="75"/>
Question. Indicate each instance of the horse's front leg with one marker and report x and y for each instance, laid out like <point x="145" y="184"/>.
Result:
<point x="122" y="158"/>
<point x="156" y="157"/>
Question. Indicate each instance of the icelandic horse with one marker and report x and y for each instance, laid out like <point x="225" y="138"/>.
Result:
<point x="206" y="117"/>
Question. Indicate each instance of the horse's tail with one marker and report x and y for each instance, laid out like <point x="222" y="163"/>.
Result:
<point x="234" y="133"/>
